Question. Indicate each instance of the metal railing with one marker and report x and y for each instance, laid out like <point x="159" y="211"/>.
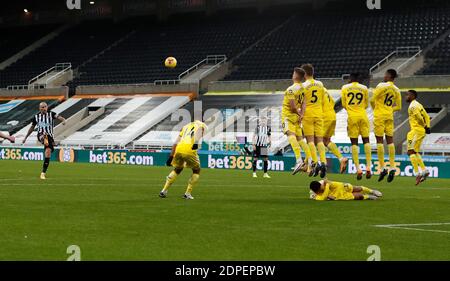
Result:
<point x="211" y="59"/>
<point x="217" y="60"/>
<point x="26" y="87"/>
<point x="59" y="68"/>
<point x="166" y="82"/>
<point x="408" y="61"/>
<point x="394" y="54"/>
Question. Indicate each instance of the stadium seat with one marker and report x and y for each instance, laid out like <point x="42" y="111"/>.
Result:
<point x="338" y="45"/>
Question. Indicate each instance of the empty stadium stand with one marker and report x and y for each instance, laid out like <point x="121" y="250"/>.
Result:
<point x="438" y="59"/>
<point x="339" y="44"/>
<point x="139" y="58"/>
<point x="75" y="45"/>
<point x="15" y="39"/>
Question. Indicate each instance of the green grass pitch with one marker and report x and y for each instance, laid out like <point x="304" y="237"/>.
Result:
<point x="113" y="212"/>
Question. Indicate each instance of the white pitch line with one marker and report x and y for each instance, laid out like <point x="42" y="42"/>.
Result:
<point x="405" y="226"/>
<point x="40" y="184"/>
<point x="413" y="224"/>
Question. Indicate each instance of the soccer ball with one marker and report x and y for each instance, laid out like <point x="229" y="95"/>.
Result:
<point x="170" y="62"/>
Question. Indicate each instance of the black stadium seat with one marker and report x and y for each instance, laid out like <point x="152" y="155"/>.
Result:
<point x="339" y="44"/>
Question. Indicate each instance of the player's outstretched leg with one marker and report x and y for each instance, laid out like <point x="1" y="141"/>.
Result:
<point x="314" y="164"/>
<point x="47" y="154"/>
<point x="170" y="179"/>
<point x="266" y="167"/>
<point x="413" y="158"/>
<point x="306" y="167"/>
<point x="192" y="181"/>
<point x="355" y="156"/>
<point x="391" y="148"/>
<point x="12" y="139"/>
<point x="365" y="193"/>
<point x="296" y="148"/>
<point x="254" y="167"/>
<point x="332" y="147"/>
<point x="323" y="159"/>
<point x="368" y="152"/>
<point x="380" y="153"/>
<point x="425" y="172"/>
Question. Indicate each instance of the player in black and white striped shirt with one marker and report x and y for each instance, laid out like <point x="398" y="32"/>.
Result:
<point x="261" y="142"/>
<point x="44" y="121"/>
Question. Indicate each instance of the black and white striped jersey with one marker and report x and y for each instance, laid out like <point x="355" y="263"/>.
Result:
<point x="262" y="134"/>
<point x="44" y="122"/>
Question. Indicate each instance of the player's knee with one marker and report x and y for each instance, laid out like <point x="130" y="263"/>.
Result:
<point x="411" y="152"/>
<point x="178" y="170"/>
<point x="196" y="171"/>
<point x="358" y="196"/>
<point x="365" y="140"/>
<point x="354" y="141"/>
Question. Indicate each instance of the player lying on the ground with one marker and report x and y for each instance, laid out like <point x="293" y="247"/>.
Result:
<point x="44" y="121"/>
<point x="10" y="138"/>
<point x="184" y="154"/>
<point x="419" y="121"/>
<point x="333" y="190"/>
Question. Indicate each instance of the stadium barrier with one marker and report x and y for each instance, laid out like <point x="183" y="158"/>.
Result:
<point x="439" y="166"/>
<point x="423" y="83"/>
<point x="39" y="94"/>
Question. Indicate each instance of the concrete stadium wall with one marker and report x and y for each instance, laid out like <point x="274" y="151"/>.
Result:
<point x="425" y="81"/>
<point x="35" y="93"/>
<point x="133" y="89"/>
